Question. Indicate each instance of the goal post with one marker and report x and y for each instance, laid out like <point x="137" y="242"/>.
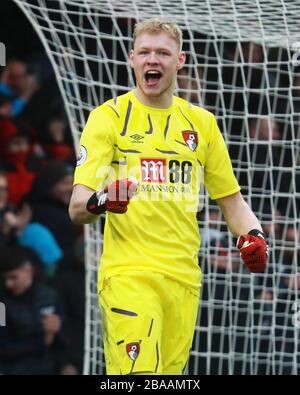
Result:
<point x="243" y="64"/>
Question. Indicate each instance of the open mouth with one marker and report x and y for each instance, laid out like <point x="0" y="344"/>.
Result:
<point x="152" y="76"/>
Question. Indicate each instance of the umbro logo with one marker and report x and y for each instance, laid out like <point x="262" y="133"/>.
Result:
<point x="137" y="138"/>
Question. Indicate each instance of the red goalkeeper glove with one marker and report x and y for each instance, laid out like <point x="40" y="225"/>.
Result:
<point x="114" y="198"/>
<point x="254" y="250"/>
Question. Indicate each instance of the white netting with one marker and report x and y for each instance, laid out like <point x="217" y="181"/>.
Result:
<point x="242" y="65"/>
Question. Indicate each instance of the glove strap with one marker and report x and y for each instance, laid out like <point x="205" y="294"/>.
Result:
<point x="97" y="202"/>
<point x="258" y="233"/>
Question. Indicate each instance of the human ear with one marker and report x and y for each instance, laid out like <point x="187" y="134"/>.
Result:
<point x="131" y="58"/>
<point x="181" y="60"/>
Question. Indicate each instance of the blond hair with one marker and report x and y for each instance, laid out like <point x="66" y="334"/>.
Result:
<point x="158" y="25"/>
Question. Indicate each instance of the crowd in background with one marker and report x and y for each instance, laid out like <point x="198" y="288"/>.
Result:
<point x="259" y="107"/>
<point x="41" y="250"/>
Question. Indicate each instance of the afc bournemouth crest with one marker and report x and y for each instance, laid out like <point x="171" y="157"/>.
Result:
<point x="191" y="139"/>
<point x="133" y="350"/>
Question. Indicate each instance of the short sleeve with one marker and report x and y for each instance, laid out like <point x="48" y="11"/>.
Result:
<point x="96" y="150"/>
<point x="219" y="177"/>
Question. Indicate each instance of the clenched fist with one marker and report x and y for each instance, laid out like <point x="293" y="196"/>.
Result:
<point x="254" y="250"/>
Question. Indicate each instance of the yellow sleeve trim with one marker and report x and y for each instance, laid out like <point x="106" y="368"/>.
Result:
<point x="224" y="194"/>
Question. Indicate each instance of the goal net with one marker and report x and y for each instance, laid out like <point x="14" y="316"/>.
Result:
<point x="243" y="65"/>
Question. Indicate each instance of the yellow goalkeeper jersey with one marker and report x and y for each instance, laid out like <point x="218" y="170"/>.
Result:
<point x="172" y="152"/>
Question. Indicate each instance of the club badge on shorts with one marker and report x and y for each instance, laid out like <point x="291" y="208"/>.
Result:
<point x="133" y="350"/>
<point x="191" y="139"/>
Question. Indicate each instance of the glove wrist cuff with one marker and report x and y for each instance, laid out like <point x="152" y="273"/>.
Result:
<point x="258" y="233"/>
<point x="97" y="202"/>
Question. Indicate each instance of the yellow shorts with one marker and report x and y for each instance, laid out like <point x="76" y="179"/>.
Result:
<point x="148" y="323"/>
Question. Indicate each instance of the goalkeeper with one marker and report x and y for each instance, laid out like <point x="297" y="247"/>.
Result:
<point x="143" y="156"/>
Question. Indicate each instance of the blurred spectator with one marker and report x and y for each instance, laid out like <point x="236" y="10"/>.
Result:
<point x="56" y="141"/>
<point x="18" y="84"/>
<point x="224" y="296"/>
<point x="16" y="227"/>
<point x="39" y="238"/>
<point x="296" y="92"/>
<point x="70" y="276"/>
<point x="17" y="160"/>
<point x="272" y="163"/>
<point x="49" y="199"/>
<point x="212" y="233"/>
<point x="7" y="227"/>
<point x="288" y="293"/>
<point x="263" y="329"/>
<point x="297" y="180"/>
<point x="189" y="87"/>
<point x="296" y="106"/>
<point x="5" y="106"/>
<point x="264" y="128"/>
<point x="272" y="228"/>
<point x="215" y="242"/>
<point x="269" y="217"/>
<point x="287" y="105"/>
<point x="45" y="104"/>
<point x="291" y="256"/>
<point x="242" y="75"/>
<point x="32" y="340"/>
<point x="264" y="154"/>
<point x="252" y="53"/>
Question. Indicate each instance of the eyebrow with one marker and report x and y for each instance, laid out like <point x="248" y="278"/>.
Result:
<point x="156" y="49"/>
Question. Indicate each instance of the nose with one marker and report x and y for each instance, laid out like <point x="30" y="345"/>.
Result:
<point x="152" y="58"/>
